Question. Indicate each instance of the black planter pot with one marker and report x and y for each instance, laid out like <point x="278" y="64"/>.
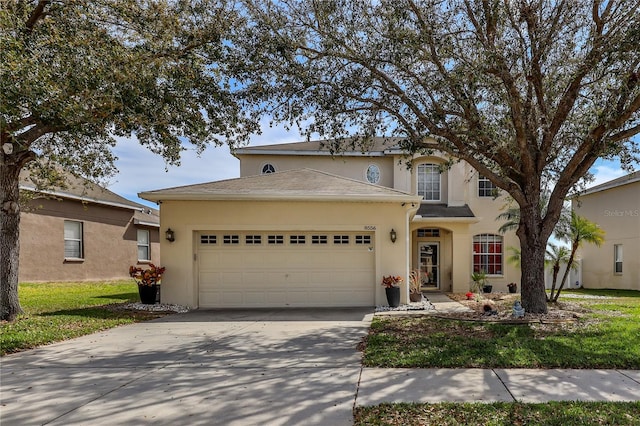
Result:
<point x="393" y="296"/>
<point x="148" y="293"/>
<point x="513" y="289"/>
<point x="487" y="289"/>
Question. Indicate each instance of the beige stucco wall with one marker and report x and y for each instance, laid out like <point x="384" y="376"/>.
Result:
<point x="352" y="167"/>
<point x="109" y="237"/>
<point x="617" y="211"/>
<point x="187" y="217"/>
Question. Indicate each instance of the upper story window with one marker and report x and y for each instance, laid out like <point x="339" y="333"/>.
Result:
<point x="373" y="173"/>
<point x="486" y="188"/>
<point x="144" y="248"/>
<point x="429" y="181"/>
<point x="268" y="168"/>
<point x="73" y="239"/>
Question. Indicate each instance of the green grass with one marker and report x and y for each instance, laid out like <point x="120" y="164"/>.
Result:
<point x="605" y="337"/>
<point x="60" y="311"/>
<point x="500" y="413"/>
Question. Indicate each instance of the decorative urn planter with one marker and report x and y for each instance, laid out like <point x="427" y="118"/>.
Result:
<point x="393" y="296"/>
<point x="148" y="293"/>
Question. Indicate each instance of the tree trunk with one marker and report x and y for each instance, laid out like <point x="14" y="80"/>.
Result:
<point x="9" y="237"/>
<point x="532" y="248"/>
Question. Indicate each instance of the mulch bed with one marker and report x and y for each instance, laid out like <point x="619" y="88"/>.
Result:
<point x="501" y="310"/>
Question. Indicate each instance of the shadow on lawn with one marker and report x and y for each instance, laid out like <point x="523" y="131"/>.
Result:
<point x="133" y="296"/>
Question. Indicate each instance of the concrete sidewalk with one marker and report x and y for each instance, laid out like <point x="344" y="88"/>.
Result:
<point x="378" y="385"/>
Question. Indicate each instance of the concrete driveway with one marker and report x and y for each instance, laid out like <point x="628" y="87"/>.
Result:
<point x="235" y="367"/>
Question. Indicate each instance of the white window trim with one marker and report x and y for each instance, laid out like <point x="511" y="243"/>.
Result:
<point x="495" y="188"/>
<point x="147" y="245"/>
<point x="439" y="183"/>
<point x="618" y="257"/>
<point x="80" y="240"/>
<point x="262" y="172"/>
<point x="502" y="259"/>
<point x="366" y="173"/>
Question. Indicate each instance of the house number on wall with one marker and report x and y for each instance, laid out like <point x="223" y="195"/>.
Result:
<point x="369" y="228"/>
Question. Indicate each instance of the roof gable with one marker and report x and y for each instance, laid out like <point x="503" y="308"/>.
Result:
<point x="299" y="184"/>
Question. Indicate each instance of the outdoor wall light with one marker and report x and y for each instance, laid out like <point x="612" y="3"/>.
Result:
<point x="393" y="235"/>
<point x="170" y="235"/>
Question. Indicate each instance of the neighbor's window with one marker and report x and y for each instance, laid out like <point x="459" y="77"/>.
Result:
<point x="429" y="182"/>
<point x="144" y="248"/>
<point x="487" y="254"/>
<point x="617" y="258"/>
<point x="486" y="188"/>
<point x="73" y="239"/>
<point x="268" y="168"/>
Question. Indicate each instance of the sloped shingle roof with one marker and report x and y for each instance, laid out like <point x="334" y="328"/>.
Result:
<point x="83" y="190"/>
<point x="300" y="184"/>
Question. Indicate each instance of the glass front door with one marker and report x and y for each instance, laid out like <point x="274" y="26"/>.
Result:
<point x="429" y="261"/>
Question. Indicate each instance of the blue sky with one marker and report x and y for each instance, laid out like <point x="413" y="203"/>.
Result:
<point x="140" y="170"/>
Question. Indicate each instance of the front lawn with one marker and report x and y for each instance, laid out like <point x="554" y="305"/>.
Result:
<point x="60" y="311"/>
<point x="500" y="413"/>
<point x="604" y="336"/>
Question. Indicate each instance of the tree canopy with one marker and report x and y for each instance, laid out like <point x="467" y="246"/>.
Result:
<point x="529" y="92"/>
<point x="75" y="74"/>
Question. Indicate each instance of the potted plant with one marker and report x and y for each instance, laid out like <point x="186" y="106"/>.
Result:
<point x="513" y="287"/>
<point x="148" y="281"/>
<point x="480" y="282"/>
<point x="391" y="285"/>
<point x="415" y="295"/>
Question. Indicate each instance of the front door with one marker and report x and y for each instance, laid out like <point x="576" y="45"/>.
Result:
<point x="429" y="261"/>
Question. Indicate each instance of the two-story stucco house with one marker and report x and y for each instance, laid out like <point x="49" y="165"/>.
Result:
<point x="615" y="207"/>
<point x="303" y="227"/>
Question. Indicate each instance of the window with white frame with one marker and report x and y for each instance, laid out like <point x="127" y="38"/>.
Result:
<point x="617" y="258"/>
<point x="487" y="254"/>
<point x="429" y="181"/>
<point x="268" y="168"/>
<point x="486" y="188"/>
<point x="73" y="247"/>
<point x="144" y="247"/>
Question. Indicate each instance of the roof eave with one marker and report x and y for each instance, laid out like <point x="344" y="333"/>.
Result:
<point x="82" y="199"/>
<point x="245" y="151"/>
<point x="400" y="198"/>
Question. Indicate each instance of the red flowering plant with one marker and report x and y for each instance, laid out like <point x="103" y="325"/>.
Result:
<point x="391" y="281"/>
<point x="150" y="276"/>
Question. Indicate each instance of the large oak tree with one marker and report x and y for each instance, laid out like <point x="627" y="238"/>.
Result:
<point x="74" y="74"/>
<point x="529" y="92"/>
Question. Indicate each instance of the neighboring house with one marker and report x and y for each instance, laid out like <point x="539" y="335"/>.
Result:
<point x="302" y="227"/>
<point x="83" y="232"/>
<point x="615" y="206"/>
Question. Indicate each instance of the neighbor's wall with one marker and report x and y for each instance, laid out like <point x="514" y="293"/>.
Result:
<point x="179" y="284"/>
<point x="617" y="211"/>
<point x="109" y="238"/>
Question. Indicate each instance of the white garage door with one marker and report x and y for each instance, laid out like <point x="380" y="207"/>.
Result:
<point x="271" y="269"/>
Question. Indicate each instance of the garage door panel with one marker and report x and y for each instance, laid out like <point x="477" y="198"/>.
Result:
<point x="273" y="275"/>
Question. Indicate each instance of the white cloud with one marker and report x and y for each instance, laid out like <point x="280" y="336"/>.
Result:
<point x="605" y="171"/>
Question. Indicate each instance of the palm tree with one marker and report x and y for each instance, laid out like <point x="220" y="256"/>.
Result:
<point x="556" y="256"/>
<point x="514" y="257"/>
<point x="511" y="213"/>
<point x="579" y="230"/>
